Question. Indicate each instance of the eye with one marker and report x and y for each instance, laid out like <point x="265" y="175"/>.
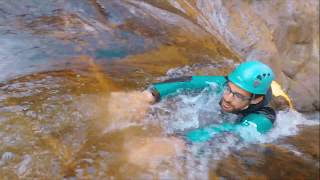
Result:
<point x="238" y="95"/>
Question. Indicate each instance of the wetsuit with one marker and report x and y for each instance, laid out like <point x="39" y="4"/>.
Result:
<point x="257" y="118"/>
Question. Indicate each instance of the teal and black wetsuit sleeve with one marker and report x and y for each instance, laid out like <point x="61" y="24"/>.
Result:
<point x="249" y="128"/>
<point x="173" y="86"/>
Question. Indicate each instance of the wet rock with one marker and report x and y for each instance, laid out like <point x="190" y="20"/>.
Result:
<point x="284" y="34"/>
<point x="279" y="103"/>
<point x="304" y="88"/>
<point x="266" y="162"/>
<point x="286" y="164"/>
<point x="58" y="34"/>
<point x="230" y="168"/>
<point x="307" y="141"/>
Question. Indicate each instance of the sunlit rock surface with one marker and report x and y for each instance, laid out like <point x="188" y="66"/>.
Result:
<point x="285" y="34"/>
<point x="39" y="36"/>
<point x="69" y="67"/>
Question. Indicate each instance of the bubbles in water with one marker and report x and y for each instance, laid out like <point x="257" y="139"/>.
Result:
<point x="187" y="111"/>
<point x="288" y="123"/>
<point x="24" y="165"/>
<point x="7" y="156"/>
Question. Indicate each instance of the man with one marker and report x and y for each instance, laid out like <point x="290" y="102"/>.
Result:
<point x="246" y="92"/>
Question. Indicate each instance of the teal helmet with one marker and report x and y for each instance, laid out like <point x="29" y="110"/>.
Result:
<point x="252" y="76"/>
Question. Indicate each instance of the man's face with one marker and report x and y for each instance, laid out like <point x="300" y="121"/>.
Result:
<point x="234" y="98"/>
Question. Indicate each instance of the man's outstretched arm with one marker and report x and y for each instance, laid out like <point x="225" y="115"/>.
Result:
<point x="172" y="86"/>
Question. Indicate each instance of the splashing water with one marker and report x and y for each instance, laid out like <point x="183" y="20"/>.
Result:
<point x="56" y="124"/>
<point x="289" y="123"/>
<point x="200" y="158"/>
<point x="189" y="111"/>
<point x="193" y="110"/>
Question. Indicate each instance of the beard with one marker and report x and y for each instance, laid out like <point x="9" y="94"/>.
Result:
<point x="225" y="107"/>
<point x="229" y="108"/>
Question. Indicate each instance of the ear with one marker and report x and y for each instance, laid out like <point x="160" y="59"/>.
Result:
<point x="256" y="100"/>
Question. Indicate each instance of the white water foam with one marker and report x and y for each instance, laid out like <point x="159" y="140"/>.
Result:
<point x="288" y="123"/>
<point x="190" y="111"/>
<point x="201" y="157"/>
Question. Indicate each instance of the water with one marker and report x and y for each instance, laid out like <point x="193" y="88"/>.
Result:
<point x="61" y="63"/>
<point x="55" y="124"/>
<point x="191" y="111"/>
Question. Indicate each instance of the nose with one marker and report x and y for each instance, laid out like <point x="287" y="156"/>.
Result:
<point x="228" y="97"/>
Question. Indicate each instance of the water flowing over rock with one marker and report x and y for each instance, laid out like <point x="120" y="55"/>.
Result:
<point x="51" y="36"/>
<point x="283" y="34"/>
<point x="72" y="72"/>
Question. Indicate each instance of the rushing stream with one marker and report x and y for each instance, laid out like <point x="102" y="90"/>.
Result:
<point x="60" y="61"/>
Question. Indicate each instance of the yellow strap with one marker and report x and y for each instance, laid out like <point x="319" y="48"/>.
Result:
<point x="277" y="91"/>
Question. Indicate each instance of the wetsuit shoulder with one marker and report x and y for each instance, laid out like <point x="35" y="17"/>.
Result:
<point x="261" y="121"/>
<point x="268" y="112"/>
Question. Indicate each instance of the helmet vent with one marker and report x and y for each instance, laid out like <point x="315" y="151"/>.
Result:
<point x="259" y="77"/>
<point x="252" y="76"/>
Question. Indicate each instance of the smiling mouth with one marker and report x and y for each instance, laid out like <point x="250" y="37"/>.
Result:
<point x="225" y="105"/>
